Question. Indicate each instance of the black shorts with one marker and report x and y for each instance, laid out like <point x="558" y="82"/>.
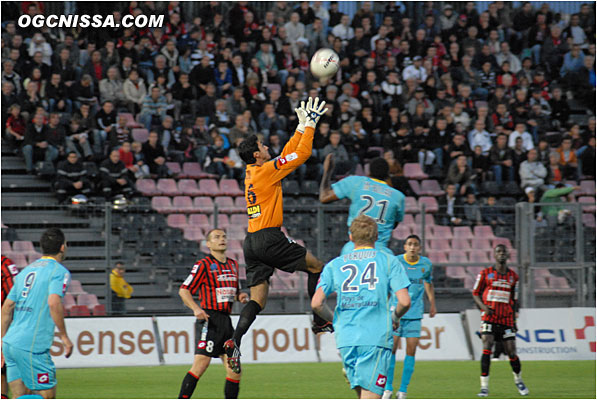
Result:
<point x="218" y="328"/>
<point x="267" y="249"/>
<point x="500" y="332"/>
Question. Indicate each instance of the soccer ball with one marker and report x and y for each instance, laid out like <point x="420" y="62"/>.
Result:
<point x="324" y="63"/>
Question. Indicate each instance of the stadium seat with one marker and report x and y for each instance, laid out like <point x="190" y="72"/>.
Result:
<point x="513" y="255"/>
<point x="204" y="205"/>
<point x="241" y="204"/>
<point x="414" y="171"/>
<point x="401" y="231"/>
<point x="483" y="231"/>
<point x="87" y="299"/>
<point x="174" y="167"/>
<point x="99" y="310"/>
<point x="140" y="135"/>
<point x="410" y="205"/>
<point x="430" y="187"/>
<point x="359" y="171"/>
<point x="177" y="221"/>
<point x="19" y="259"/>
<point x="463" y="232"/>
<point x="431" y="205"/>
<point x="588" y="220"/>
<point x="428" y="231"/>
<point x="477" y="255"/>
<point x="587" y="188"/>
<point x="223" y="221"/>
<point x="209" y="187"/>
<point x="501" y="240"/>
<point x="437" y="256"/>
<point x="455" y="272"/>
<point x="162" y="204"/>
<point x="191" y="170"/>
<point x="188" y="187"/>
<point x="439" y="244"/>
<point x="241" y="220"/>
<point x="183" y="204"/>
<point x="469" y="282"/>
<point x="474" y="271"/>
<point x="291" y="187"/>
<point x="558" y="282"/>
<point x="234" y="245"/>
<point x="32" y="257"/>
<point x="236" y="232"/>
<point x="23" y="246"/>
<point x="130" y="120"/>
<point x="147" y="187"/>
<point x="442" y="232"/>
<point x="167" y="187"/>
<point x="75" y="288"/>
<point x="79" y="311"/>
<point x="415" y="186"/>
<point x="457" y="257"/>
<point x="6" y="248"/>
<point x="459" y="243"/>
<point x="408" y="220"/>
<point x="429" y="220"/>
<point x="543" y="272"/>
<point x="193" y="233"/>
<point x="310" y="188"/>
<point x="200" y="220"/>
<point x="229" y="187"/>
<point x="225" y="204"/>
<point x="68" y="301"/>
<point x="540" y="282"/>
<point x="588" y="203"/>
<point x="480" y="244"/>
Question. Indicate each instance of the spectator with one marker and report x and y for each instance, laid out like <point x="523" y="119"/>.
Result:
<point x="82" y="92"/>
<point x="587" y="159"/>
<point x="520" y="131"/>
<point x="56" y="134"/>
<point x="207" y="103"/>
<point x="415" y="71"/>
<point x="155" y="156"/>
<point x="217" y="156"/>
<point x="134" y="91"/>
<point x="342" y="161"/>
<point x="450" y="207"/>
<point x="506" y="55"/>
<point x="271" y="123"/>
<point x="15" y="126"/>
<point x="153" y="109"/>
<point x="72" y="178"/>
<point x="343" y="30"/>
<point x="121" y="290"/>
<point x="480" y="137"/>
<point x="56" y="94"/>
<point x="38" y="44"/>
<point x="471" y="210"/>
<point x="532" y="172"/>
<point x="573" y="61"/>
<point x="491" y="214"/>
<point x="35" y="144"/>
<point x="184" y="96"/>
<point x="556" y="214"/>
<point x="111" y="88"/>
<point x="223" y="79"/>
<point x="555" y="174"/>
<point x="9" y="75"/>
<point x="568" y="160"/>
<point x="114" y="177"/>
<point x="461" y="175"/>
<point x="501" y="160"/>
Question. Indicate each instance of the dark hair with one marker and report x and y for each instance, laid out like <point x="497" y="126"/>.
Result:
<point x="246" y="149"/>
<point x="208" y="234"/>
<point x="51" y="241"/>
<point x="378" y="168"/>
<point x="119" y="264"/>
<point x="500" y="245"/>
<point x="413" y="236"/>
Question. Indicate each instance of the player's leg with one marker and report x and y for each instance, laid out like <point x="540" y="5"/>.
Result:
<point x="389" y="389"/>
<point x="510" y="348"/>
<point x="200" y="364"/>
<point x="365" y="394"/>
<point x="313" y="267"/>
<point x="18" y="388"/>
<point x="487" y="336"/>
<point x="409" y="364"/>
<point x="232" y="385"/>
<point x="47" y="393"/>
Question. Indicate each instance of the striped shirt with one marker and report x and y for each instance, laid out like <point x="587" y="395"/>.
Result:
<point x="215" y="283"/>
<point x="500" y="293"/>
<point x="9" y="270"/>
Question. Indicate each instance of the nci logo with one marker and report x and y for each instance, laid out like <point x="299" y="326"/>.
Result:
<point x="541" y="335"/>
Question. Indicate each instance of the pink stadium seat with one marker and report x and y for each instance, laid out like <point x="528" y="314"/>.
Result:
<point x="359" y="171"/>
<point x="455" y="272"/>
<point x="457" y="257"/>
<point x="542" y="272"/>
<point x="200" y="220"/>
<point x="32" y="257"/>
<point x="204" y="205"/>
<point x="408" y="220"/>
<point x="99" y="310"/>
<point x="429" y="221"/>
<point x="588" y="203"/>
<point x="6" y="248"/>
<point x="414" y="171"/>
<point x="19" y="259"/>
<point x="191" y="170"/>
<point x="75" y="288"/>
<point x="87" y="299"/>
<point x="428" y="231"/>
<point x="68" y="301"/>
<point x="241" y="220"/>
<point x="167" y="187"/>
<point x="236" y="232"/>
<point x="79" y="311"/>
<point x="460" y="244"/>
<point x="483" y="231"/>
<point x="469" y="282"/>
<point x="188" y="187"/>
<point x="242" y="271"/>
<point x="415" y="186"/>
<point x="229" y="187"/>
<point x="478" y="256"/>
<point x="558" y="282"/>
<point x="174" y="167"/>
<point x="540" y="282"/>
<point x="241" y="204"/>
<point x="401" y="231"/>
<point x="431" y="205"/>
<point x="513" y="255"/>
<point x="463" y="232"/>
<point x="147" y="187"/>
<point x="442" y="232"/>
<point x="430" y="187"/>
<point x="225" y="204"/>
<point x="209" y="187"/>
<point x="162" y="204"/>
<point x="501" y="240"/>
<point x="193" y="233"/>
<point x="437" y="256"/>
<point x="480" y="244"/>
<point x="410" y="205"/>
<point x="223" y="221"/>
<point x="177" y="221"/>
<point x="235" y="245"/>
<point x="183" y="204"/>
<point x="588" y="220"/>
<point x="130" y="120"/>
<point x="23" y="246"/>
<point x="474" y="271"/>
<point x="140" y="135"/>
<point x="439" y="244"/>
<point x="587" y="188"/>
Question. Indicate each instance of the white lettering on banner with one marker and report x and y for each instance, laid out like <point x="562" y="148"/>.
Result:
<point x="500" y="296"/>
<point x="226" y="294"/>
<point x="547" y="333"/>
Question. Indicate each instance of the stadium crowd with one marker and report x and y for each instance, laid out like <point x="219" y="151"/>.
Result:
<point x="471" y="97"/>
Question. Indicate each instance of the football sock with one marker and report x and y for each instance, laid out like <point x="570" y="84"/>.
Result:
<point x="231" y="389"/>
<point x="485" y="361"/>
<point x="485" y="382"/>
<point x="390" y="381"/>
<point x="515" y="363"/>
<point x="4" y="396"/>
<point x="188" y="386"/>
<point x="407" y="372"/>
<point x="311" y="286"/>
<point x="247" y="316"/>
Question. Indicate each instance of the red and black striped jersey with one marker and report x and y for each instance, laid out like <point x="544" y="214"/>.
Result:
<point x="215" y="283"/>
<point x="499" y="292"/>
<point x="9" y="270"/>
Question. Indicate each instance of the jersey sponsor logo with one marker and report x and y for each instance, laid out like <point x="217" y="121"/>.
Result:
<point x="291" y="157"/>
<point x="254" y="211"/>
<point x="490" y="275"/>
<point x="227" y="278"/>
<point x="13" y="269"/>
<point x="201" y="344"/>
<point x="226" y="294"/>
<point x="213" y="267"/>
<point x="499" y="296"/>
<point x="502" y="284"/>
<point x="43" y="378"/>
<point x="188" y="281"/>
<point x="381" y="380"/>
<point x="195" y="268"/>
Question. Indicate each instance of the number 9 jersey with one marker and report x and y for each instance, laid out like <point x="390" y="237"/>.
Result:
<point x="375" y="199"/>
<point x="365" y="280"/>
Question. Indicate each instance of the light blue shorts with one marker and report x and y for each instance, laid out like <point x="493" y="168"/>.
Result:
<point x="35" y="369"/>
<point x="349" y="248"/>
<point x="367" y="367"/>
<point x="409" y="328"/>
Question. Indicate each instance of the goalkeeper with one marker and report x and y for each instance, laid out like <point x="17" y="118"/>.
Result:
<point x="265" y="246"/>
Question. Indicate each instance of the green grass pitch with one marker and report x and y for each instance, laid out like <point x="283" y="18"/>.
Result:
<point x="432" y="379"/>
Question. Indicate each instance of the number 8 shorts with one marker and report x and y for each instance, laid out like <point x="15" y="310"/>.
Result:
<point x="210" y="335"/>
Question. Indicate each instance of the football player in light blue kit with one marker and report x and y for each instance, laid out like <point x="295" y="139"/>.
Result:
<point x="419" y="271"/>
<point x="365" y="280"/>
<point x="31" y="312"/>
<point x="370" y="195"/>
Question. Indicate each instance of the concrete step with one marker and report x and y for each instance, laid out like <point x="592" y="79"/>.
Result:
<point x="43" y="219"/>
<point x="24" y="184"/>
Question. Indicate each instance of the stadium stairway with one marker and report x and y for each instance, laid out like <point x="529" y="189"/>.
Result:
<point x="29" y="206"/>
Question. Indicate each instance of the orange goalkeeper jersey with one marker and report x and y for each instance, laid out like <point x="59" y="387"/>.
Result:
<point x="263" y="183"/>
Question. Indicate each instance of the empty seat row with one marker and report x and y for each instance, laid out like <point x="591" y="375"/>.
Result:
<point x="409" y="226"/>
<point x="428" y="187"/>
<point x="203" y="205"/>
<point x="206" y="223"/>
<point x="189" y="187"/>
<point x="443" y="256"/>
<point x="467" y="244"/>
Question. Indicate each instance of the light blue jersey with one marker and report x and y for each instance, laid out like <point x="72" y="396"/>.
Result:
<point x="364" y="280"/>
<point x="418" y="273"/>
<point x="32" y="327"/>
<point x="375" y="199"/>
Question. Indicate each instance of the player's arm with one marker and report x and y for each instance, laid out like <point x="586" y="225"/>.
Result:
<point x="318" y="305"/>
<point x="7" y="311"/>
<point x="189" y="287"/>
<point x="187" y="299"/>
<point x="57" y="314"/>
<point x="403" y="304"/>
<point x="326" y="193"/>
<point x="430" y="291"/>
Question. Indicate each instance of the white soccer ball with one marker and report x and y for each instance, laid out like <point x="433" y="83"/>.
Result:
<point x="324" y="63"/>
